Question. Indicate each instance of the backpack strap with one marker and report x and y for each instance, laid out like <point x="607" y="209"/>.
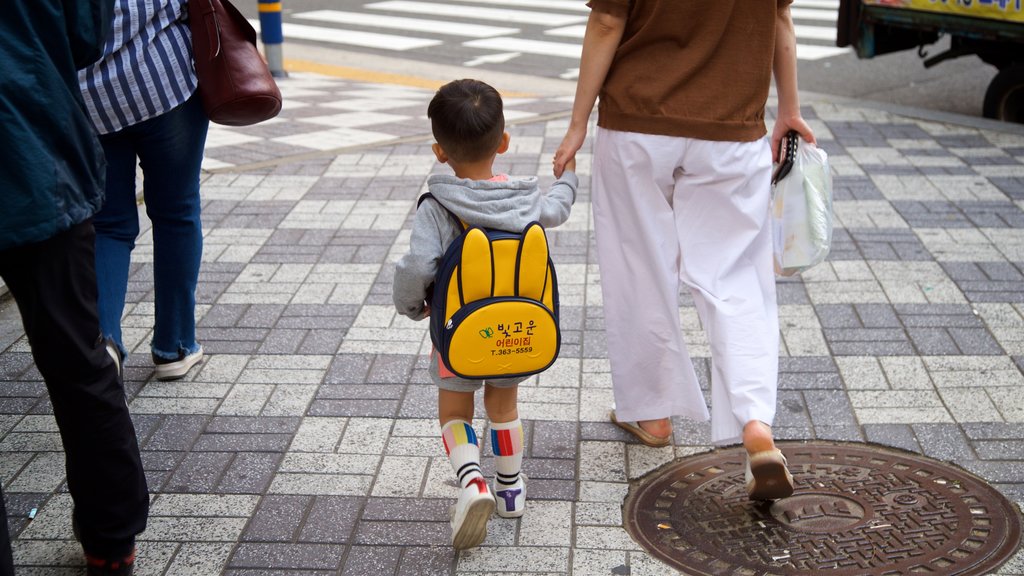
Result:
<point x="429" y="196"/>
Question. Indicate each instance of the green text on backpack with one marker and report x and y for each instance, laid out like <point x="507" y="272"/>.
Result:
<point x="494" y="311"/>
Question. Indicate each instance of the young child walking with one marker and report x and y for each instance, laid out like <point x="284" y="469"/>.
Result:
<point x="469" y="128"/>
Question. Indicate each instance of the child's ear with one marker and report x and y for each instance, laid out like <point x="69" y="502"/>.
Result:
<point x="439" y="153"/>
<point x="503" y="147"/>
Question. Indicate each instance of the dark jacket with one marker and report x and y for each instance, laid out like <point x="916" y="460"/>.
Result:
<point x="52" y="168"/>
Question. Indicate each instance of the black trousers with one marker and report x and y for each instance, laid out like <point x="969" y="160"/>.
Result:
<point x="54" y="285"/>
<point x="6" y="563"/>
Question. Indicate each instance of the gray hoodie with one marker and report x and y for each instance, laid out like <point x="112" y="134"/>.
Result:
<point x="502" y="205"/>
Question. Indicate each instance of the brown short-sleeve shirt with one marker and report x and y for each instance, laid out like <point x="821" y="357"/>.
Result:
<point x="695" y="68"/>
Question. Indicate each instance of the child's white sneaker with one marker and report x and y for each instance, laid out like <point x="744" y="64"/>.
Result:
<point x="511" y="499"/>
<point x="470" y="514"/>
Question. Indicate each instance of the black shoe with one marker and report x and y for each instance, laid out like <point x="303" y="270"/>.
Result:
<point x="118" y="567"/>
<point x="176" y="368"/>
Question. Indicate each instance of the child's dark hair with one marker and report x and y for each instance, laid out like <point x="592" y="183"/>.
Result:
<point x="467" y="119"/>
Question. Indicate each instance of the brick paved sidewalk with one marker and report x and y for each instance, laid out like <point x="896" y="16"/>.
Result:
<point x="306" y="443"/>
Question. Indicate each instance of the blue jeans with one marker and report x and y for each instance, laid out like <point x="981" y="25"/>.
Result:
<point x="169" y="148"/>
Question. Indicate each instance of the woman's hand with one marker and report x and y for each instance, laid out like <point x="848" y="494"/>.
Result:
<point x="565" y="156"/>
<point x="783" y="125"/>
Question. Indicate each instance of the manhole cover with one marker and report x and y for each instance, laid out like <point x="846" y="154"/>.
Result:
<point x="857" y="510"/>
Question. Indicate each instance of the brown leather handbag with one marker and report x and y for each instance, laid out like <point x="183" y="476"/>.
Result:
<point x="235" y="84"/>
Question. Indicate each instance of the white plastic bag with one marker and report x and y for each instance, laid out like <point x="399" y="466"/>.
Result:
<point x="801" y="211"/>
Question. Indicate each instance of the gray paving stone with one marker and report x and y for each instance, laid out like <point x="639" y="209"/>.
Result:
<point x="349" y="369"/>
<point x="363" y="408"/>
<point x="854" y="188"/>
<point x="277" y="519"/>
<point x="791" y="410"/>
<point x="281" y="341"/>
<point x="1012" y="187"/>
<point x="198" y="472"/>
<point x="894" y="435"/>
<point x="419" y="402"/>
<point x="996" y="471"/>
<point x="553" y="439"/>
<point x="362" y="560"/>
<point x="176" y="432"/>
<point x="933" y="341"/>
<point x="391" y="368"/>
<point x="411" y="509"/>
<point x="849" y="433"/>
<point x="993" y="430"/>
<point x="287" y="556"/>
<point x="331" y="519"/>
<point x="403" y="533"/>
<point x="251" y="425"/>
<point x="422" y="561"/>
<point x="945" y="442"/>
<point x="242" y="442"/>
<point x="362" y="391"/>
<point x="829" y="408"/>
<point x="249" y="473"/>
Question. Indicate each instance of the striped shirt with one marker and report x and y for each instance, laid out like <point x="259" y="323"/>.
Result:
<point x="146" y="68"/>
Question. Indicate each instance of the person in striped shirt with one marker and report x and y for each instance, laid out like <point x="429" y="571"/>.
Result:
<point x="141" y="97"/>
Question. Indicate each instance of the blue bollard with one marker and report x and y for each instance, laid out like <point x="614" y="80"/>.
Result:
<point x="273" y="36"/>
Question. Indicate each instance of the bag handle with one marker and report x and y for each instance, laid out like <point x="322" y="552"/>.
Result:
<point x="208" y="14"/>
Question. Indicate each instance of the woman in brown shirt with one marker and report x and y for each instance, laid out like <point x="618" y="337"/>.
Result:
<point x="681" y="188"/>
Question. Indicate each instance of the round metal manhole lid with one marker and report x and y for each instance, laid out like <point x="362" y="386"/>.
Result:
<point x="857" y="510"/>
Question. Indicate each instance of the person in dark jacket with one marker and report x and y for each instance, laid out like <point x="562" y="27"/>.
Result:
<point x="51" y="184"/>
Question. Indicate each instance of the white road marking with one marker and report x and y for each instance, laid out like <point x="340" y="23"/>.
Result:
<point x="446" y="27"/>
<point x="478" y="13"/>
<point x="352" y="37"/>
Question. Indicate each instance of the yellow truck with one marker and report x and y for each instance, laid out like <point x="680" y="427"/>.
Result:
<point x="991" y="29"/>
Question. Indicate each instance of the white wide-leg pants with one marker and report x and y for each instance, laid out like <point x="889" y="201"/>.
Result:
<point x="671" y="210"/>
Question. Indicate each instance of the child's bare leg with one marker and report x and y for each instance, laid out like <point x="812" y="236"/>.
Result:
<point x="507" y="445"/>
<point x="501" y="403"/>
<point x="453" y="405"/>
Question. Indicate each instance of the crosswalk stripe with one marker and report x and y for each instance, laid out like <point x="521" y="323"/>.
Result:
<point x="814" y="14"/>
<point x="570" y="5"/>
<point x="822" y="4"/>
<point x="812" y="52"/>
<point x="446" y="27"/>
<point x="574" y="31"/>
<point x="507" y="39"/>
<point x="352" y="37"/>
<point x="478" y="13"/>
<point x="815" y="32"/>
<point x="528" y="46"/>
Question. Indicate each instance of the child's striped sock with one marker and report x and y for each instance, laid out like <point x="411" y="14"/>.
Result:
<point x="507" y="445"/>
<point x="463" y="450"/>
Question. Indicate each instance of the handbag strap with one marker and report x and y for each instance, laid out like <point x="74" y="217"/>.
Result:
<point x="210" y="24"/>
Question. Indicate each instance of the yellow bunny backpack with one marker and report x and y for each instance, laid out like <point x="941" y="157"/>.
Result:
<point x="494" y="309"/>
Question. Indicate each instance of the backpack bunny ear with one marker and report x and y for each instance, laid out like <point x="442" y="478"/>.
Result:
<point x="476" y="271"/>
<point x="532" y="263"/>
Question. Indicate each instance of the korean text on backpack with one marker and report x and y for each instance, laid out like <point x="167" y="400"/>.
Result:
<point x="494" y="310"/>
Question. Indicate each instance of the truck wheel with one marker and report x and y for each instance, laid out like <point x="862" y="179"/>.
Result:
<point x="1004" y="99"/>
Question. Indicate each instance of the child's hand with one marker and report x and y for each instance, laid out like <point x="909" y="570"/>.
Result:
<point x="570" y="164"/>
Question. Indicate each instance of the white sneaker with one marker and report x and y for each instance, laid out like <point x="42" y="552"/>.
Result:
<point x="470" y="515"/>
<point x="178" y="367"/>
<point x="511" y="499"/>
